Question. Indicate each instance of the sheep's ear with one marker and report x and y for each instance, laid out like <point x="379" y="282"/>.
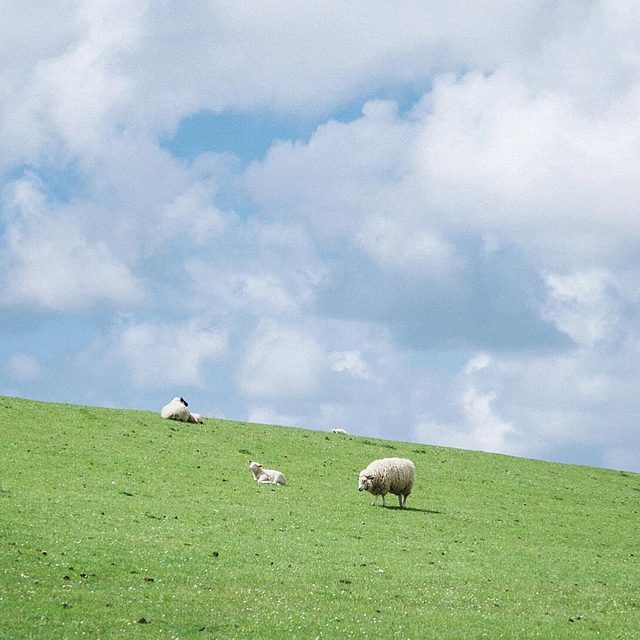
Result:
<point x="369" y="477"/>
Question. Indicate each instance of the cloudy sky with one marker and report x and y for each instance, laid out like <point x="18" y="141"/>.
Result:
<point x="414" y="220"/>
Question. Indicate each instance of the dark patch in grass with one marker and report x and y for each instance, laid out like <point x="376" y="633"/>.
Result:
<point x="126" y="493"/>
<point x="245" y="452"/>
<point x="378" y="444"/>
<point x="142" y="621"/>
<point x="419" y="451"/>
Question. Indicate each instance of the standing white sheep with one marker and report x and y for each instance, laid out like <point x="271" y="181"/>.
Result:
<point x="341" y="432"/>
<point x="267" y="476"/>
<point x="388" y="475"/>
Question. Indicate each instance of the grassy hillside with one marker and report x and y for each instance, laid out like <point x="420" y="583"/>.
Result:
<point x="120" y="524"/>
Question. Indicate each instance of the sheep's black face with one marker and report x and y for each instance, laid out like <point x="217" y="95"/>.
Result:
<point x="184" y="402"/>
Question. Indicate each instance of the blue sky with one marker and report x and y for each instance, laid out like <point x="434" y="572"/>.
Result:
<point x="414" y="220"/>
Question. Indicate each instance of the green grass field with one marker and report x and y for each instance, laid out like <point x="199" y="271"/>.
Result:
<point x="117" y="524"/>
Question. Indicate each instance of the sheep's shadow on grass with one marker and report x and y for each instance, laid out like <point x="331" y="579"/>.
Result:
<point x="416" y="509"/>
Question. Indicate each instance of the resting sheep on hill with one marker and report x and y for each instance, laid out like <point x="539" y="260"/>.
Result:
<point x="340" y="431"/>
<point x="266" y="476"/>
<point x="177" y="410"/>
<point x="388" y="475"/>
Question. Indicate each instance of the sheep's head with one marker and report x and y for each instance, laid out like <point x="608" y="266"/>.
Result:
<point x="254" y="466"/>
<point x="365" y="482"/>
<point x="184" y="402"/>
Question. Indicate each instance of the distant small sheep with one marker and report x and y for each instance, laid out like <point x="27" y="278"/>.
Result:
<point x="340" y="431"/>
<point x="267" y="476"/>
<point x="388" y="475"/>
<point x="177" y="410"/>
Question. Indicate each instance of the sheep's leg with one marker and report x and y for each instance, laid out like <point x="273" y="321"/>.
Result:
<point x="384" y="504"/>
<point x="400" y="502"/>
<point x="375" y="501"/>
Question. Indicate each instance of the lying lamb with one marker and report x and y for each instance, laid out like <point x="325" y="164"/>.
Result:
<point x="340" y="431"/>
<point x="388" y="475"/>
<point x="267" y="476"/>
<point x="177" y="410"/>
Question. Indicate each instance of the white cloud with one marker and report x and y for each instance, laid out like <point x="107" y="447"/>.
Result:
<point x="50" y="263"/>
<point x="478" y="425"/>
<point x="169" y="354"/>
<point x="90" y="68"/>
<point x="397" y="247"/>
<point x="477" y="363"/>
<point x="286" y="62"/>
<point x="363" y="161"/>
<point x="281" y="361"/>
<point x="623" y="458"/>
<point x="489" y="432"/>
<point x="23" y="367"/>
<point x="262" y="270"/>
<point x="497" y="153"/>
<point x="582" y="305"/>
<point x="359" y="381"/>
<point x="258" y="293"/>
<point x="191" y="215"/>
<point x="68" y="100"/>
<point x="262" y="415"/>
<point x="350" y="362"/>
<point x="576" y="405"/>
<point x="490" y="155"/>
<point x="264" y="290"/>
